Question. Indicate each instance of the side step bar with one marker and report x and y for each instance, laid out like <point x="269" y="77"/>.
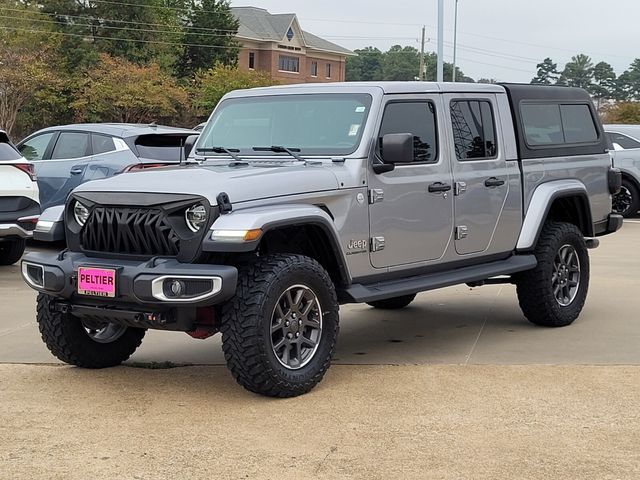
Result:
<point x="358" y="293"/>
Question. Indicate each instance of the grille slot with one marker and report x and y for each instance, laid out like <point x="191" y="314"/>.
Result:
<point x="133" y="231"/>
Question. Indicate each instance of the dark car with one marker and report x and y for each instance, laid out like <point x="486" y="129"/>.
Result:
<point x="67" y="156"/>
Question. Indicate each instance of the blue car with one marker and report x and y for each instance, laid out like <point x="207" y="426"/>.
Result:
<point x="67" y="156"/>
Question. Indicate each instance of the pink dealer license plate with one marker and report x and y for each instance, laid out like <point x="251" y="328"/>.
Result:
<point x="97" y="282"/>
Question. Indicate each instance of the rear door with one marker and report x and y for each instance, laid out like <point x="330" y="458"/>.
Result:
<point x="65" y="168"/>
<point x="481" y="173"/>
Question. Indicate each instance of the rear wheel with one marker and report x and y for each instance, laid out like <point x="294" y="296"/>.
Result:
<point x="11" y="251"/>
<point x="280" y="329"/>
<point x="86" y="345"/>
<point x="553" y="293"/>
<point x="395" y="303"/>
<point x="627" y="201"/>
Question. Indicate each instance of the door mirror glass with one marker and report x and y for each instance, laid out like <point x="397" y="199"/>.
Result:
<point x="397" y="148"/>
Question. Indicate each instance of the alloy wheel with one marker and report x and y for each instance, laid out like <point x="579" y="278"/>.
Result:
<point x="566" y="275"/>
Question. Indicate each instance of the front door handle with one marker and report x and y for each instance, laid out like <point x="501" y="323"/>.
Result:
<point x="439" y="187"/>
<point x="494" y="182"/>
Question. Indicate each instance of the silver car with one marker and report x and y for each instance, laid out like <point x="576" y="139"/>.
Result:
<point x="67" y="156"/>
<point x="626" y="156"/>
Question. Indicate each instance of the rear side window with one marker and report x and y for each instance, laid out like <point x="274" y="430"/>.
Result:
<point x="71" y="145"/>
<point x="548" y="124"/>
<point x="474" y="131"/>
<point x="102" y="144"/>
<point x="418" y="119"/>
<point x="7" y="152"/>
<point x="624" y="141"/>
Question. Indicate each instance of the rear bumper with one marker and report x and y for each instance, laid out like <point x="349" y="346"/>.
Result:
<point x="13" y="230"/>
<point x="139" y="284"/>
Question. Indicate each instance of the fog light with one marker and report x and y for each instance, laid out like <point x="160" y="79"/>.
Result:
<point x="182" y="288"/>
<point x="33" y="274"/>
<point x="177" y="288"/>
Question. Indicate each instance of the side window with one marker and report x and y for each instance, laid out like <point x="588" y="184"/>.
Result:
<point x="71" y="145"/>
<point x="578" y="124"/>
<point x="35" y="148"/>
<point x="474" y="132"/>
<point x="102" y="144"/>
<point x="624" y="141"/>
<point x="418" y="119"/>
<point x="547" y="124"/>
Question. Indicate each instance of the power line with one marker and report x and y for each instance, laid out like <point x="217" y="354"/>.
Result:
<point x="158" y="42"/>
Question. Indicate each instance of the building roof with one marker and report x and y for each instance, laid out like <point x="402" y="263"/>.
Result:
<point x="259" y="24"/>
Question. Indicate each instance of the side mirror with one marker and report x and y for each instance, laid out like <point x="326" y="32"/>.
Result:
<point x="395" y="148"/>
<point x="189" y="143"/>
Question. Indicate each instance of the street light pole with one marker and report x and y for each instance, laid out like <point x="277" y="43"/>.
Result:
<point x="455" y="42"/>
<point x="440" y="76"/>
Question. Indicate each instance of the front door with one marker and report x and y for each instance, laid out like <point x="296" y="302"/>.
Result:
<point x="480" y="171"/>
<point x="411" y="207"/>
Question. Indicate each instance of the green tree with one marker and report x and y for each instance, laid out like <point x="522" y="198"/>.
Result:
<point x="117" y="90"/>
<point x="211" y="85"/>
<point x="623" y="112"/>
<point x="400" y="63"/>
<point x="547" y="73"/>
<point x="365" y="67"/>
<point x="578" y="72"/>
<point x="629" y="82"/>
<point x="210" y="36"/>
<point x="431" y="64"/>
<point x="604" y="82"/>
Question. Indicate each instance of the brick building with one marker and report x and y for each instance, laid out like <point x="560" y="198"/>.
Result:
<point x="276" y="44"/>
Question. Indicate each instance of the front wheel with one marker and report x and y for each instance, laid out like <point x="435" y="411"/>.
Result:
<point x="280" y="329"/>
<point x="85" y="345"/>
<point x="553" y="293"/>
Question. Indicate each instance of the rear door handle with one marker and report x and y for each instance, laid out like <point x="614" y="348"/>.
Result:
<point x="494" y="182"/>
<point x="439" y="187"/>
<point x="77" y="170"/>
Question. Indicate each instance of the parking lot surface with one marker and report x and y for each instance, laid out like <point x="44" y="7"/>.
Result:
<point x="459" y="385"/>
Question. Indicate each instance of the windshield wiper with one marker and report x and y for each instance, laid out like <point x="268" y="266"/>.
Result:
<point x="229" y="151"/>
<point x="276" y="149"/>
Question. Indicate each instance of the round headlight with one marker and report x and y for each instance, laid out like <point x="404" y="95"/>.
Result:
<point x="80" y="213"/>
<point x="196" y="217"/>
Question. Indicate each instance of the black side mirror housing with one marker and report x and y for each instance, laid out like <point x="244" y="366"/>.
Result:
<point x="189" y="143"/>
<point x="395" y="148"/>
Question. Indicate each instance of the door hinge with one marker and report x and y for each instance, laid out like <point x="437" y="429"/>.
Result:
<point x="377" y="244"/>
<point x="376" y="195"/>
<point x="462" y="231"/>
<point x="460" y="188"/>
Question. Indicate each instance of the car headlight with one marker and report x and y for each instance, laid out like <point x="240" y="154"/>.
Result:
<point x="196" y="217"/>
<point x="80" y="213"/>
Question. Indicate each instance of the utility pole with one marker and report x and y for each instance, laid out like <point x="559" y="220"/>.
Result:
<point x="440" y="75"/>
<point x="455" y="42"/>
<point x="421" y="76"/>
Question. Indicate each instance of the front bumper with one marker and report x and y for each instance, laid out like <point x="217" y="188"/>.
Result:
<point x="136" y="281"/>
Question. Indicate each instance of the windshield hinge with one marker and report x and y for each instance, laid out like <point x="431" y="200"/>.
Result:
<point x="224" y="204"/>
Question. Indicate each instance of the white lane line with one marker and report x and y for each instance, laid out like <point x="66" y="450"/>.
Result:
<point x="9" y="331"/>
<point x="483" y="325"/>
<point x="632" y="221"/>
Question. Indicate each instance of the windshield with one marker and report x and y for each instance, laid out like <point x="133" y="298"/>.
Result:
<point x="322" y="124"/>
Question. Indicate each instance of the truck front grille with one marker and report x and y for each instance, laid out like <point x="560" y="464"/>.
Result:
<point x="132" y="231"/>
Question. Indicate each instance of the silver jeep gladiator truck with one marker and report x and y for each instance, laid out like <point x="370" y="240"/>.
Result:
<point x="297" y="199"/>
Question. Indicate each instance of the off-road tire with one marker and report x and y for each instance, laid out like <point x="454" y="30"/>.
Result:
<point x="67" y="339"/>
<point x="395" y="303"/>
<point x="534" y="287"/>
<point x="246" y="325"/>
<point x="632" y="190"/>
<point x="11" y="251"/>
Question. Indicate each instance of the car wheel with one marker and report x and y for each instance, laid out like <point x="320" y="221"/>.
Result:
<point x="83" y="344"/>
<point x="395" y="303"/>
<point x="11" y="251"/>
<point x="553" y="293"/>
<point x="627" y="201"/>
<point x="280" y="329"/>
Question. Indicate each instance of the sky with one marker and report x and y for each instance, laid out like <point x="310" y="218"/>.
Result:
<point x="498" y="39"/>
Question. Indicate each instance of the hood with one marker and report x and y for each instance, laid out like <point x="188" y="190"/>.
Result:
<point x="241" y="183"/>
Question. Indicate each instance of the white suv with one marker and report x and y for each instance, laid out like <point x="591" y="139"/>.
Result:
<point x="19" y="202"/>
